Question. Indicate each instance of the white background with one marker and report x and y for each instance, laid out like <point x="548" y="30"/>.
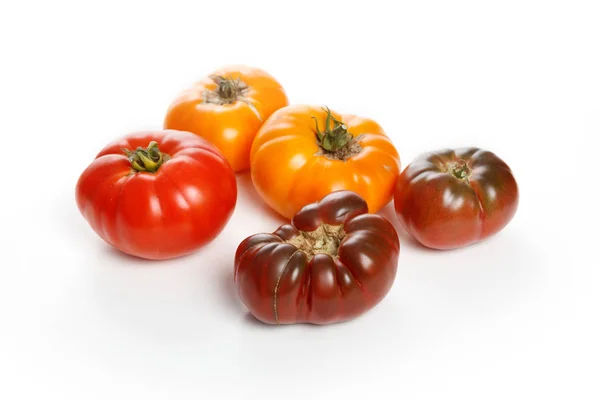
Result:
<point x="514" y="317"/>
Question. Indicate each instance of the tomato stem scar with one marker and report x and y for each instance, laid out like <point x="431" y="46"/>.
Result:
<point x="460" y="170"/>
<point x="325" y="239"/>
<point x="228" y="91"/>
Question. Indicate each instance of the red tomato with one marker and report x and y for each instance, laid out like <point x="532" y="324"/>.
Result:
<point x="333" y="263"/>
<point x="451" y="198"/>
<point x="157" y="195"/>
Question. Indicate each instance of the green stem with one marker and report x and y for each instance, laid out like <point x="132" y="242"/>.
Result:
<point x="334" y="137"/>
<point x="146" y="160"/>
<point x="460" y="170"/>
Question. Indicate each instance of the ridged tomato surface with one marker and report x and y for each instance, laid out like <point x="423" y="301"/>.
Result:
<point x="163" y="214"/>
<point x="292" y="165"/>
<point x="452" y="198"/>
<point x="334" y="262"/>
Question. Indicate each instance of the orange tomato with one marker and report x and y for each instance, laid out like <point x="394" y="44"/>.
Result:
<point x="303" y="153"/>
<point x="227" y="108"/>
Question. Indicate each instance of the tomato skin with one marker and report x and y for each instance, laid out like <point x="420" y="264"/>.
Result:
<point x="288" y="172"/>
<point x="444" y="212"/>
<point x="169" y="213"/>
<point x="230" y="127"/>
<point x="281" y="284"/>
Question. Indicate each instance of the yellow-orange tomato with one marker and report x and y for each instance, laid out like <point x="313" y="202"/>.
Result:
<point x="227" y="108"/>
<point x="303" y="153"/>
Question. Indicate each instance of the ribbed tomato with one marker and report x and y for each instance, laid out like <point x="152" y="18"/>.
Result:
<point x="157" y="195"/>
<point x="332" y="263"/>
<point x="451" y="198"/>
<point x="303" y="153"/>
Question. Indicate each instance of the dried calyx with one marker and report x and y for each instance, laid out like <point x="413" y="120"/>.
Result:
<point x="460" y="170"/>
<point x="325" y="239"/>
<point x="148" y="159"/>
<point x="335" y="142"/>
<point x="228" y="91"/>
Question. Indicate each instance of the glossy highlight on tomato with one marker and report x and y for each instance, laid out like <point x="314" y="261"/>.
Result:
<point x="227" y="108"/>
<point x="334" y="262"/>
<point x="157" y="194"/>
<point x="303" y="153"/>
<point x="452" y="198"/>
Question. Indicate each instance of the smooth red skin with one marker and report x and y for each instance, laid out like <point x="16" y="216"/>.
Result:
<point x="170" y="213"/>
<point x="443" y="212"/>
<point x="279" y="285"/>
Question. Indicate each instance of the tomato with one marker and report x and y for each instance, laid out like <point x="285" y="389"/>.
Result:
<point x="333" y="263"/>
<point x="157" y="195"/>
<point x="227" y="108"/>
<point x="452" y="198"/>
<point x="303" y="153"/>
